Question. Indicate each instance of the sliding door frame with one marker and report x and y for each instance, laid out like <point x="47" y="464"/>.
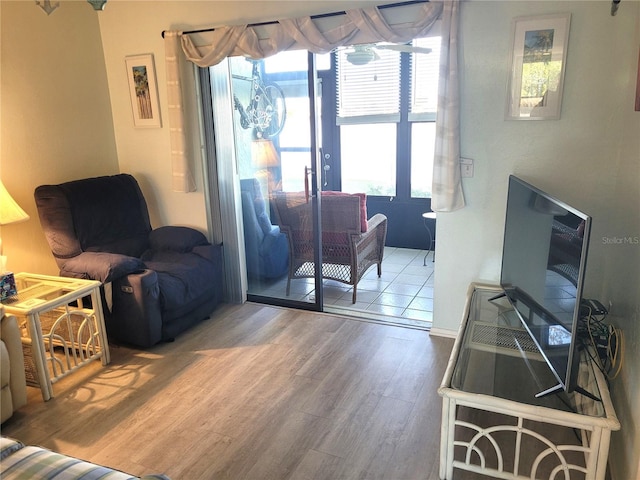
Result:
<point x="221" y="177"/>
<point x="224" y="206"/>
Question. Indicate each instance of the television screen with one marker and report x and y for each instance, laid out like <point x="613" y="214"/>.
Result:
<point x="543" y="264"/>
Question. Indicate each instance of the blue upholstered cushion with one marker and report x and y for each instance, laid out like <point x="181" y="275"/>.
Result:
<point x="101" y="266"/>
<point x="20" y="461"/>
<point x="176" y="239"/>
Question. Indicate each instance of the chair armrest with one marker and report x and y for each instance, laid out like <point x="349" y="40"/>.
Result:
<point x="376" y="225"/>
<point x="177" y="239"/>
<point x="272" y="239"/>
<point x="377" y="220"/>
<point x="10" y="336"/>
<point x="376" y="234"/>
<point x="102" y="266"/>
<point x="213" y="253"/>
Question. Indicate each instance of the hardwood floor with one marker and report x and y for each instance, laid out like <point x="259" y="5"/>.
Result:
<point x="257" y="392"/>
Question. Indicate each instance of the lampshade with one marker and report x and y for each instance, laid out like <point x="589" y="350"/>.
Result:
<point x="10" y="211"/>
<point x="263" y="153"/>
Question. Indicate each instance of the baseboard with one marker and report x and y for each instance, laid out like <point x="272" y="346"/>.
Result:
<point x="443" y="332"/>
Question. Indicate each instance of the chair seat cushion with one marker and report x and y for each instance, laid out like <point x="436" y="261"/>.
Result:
<point x="184" y="279"/>
<point x="178" y="239"/>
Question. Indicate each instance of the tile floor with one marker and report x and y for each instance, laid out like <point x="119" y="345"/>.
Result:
<point x="404" y="293"/>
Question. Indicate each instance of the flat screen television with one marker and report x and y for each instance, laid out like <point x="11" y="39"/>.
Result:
<point x="543" y="266"/>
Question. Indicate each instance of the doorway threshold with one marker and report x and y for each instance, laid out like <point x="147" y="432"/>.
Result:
<point x="373" y="317"/>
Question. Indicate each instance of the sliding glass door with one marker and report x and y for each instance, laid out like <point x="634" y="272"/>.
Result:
<point x="273" y="130"/>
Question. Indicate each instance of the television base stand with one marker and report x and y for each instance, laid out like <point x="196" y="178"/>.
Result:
<point x="560" y="388"/>
<point x="498" y="296"/>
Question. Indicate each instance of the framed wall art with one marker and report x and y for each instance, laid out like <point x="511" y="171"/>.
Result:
<point x="538" y="59"/>
<point x="143" y="90"/>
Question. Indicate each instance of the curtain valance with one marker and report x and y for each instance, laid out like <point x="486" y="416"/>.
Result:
<point x="356" y="26"/>
<point x="320" y="35"/>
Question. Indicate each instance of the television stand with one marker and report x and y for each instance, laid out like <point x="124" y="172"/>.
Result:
<point x="560" y="388"/>
<point x="492" y="421"/>
<point x="502" y="293"/>
<point x="498" y="296"/>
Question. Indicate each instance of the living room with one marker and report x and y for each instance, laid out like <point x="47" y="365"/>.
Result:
<point x="66" y="114"/>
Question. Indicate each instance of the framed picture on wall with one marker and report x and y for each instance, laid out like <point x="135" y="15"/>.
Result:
<point x="143" y="90"/>
<point x="538" y="58"/>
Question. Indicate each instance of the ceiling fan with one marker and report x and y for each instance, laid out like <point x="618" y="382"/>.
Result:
<point x="365" y="53"/>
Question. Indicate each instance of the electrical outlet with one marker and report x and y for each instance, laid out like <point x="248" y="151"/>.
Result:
<point x="592" y="307"/>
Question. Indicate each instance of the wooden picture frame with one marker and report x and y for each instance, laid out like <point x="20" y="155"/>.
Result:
<point x="143" y="90"/>
<point x="538" y="58"/>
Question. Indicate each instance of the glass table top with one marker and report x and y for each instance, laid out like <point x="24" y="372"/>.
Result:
<point x="498" y="357"/>
<point x="38" y="290"/>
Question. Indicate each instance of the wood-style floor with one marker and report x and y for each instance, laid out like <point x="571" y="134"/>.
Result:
<point x="257" y="392"/>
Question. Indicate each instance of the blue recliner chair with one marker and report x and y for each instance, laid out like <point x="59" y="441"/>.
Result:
<point x="267" y="250"/>
<point x="163" y="280"/>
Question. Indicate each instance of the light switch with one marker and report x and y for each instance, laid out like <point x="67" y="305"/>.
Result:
<point x="466" y="167"/>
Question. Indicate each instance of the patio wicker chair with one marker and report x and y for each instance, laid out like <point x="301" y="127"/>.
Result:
<point x="351" y="243"/>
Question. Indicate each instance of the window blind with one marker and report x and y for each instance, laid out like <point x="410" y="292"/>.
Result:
<point x="370" y="92"/>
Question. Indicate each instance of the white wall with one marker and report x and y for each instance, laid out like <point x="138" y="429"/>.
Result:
<point x="577" y="158"/>
<point x="620" y="283"/>
<point x="590" y="158"/>
<point x="56" y="118"/>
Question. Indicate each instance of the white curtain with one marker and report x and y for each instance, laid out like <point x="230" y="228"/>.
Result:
<point x="447" y="194"/>
<point x="356" y="26"/>
<point x="181" y="176"/>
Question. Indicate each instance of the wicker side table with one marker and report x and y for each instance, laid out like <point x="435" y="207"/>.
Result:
<point x="492" y="422"/>
<point x="61" y="330"/>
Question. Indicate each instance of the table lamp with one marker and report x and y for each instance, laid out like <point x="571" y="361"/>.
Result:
<point x="265" y="157"/>
<point x="10" y="212"/>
